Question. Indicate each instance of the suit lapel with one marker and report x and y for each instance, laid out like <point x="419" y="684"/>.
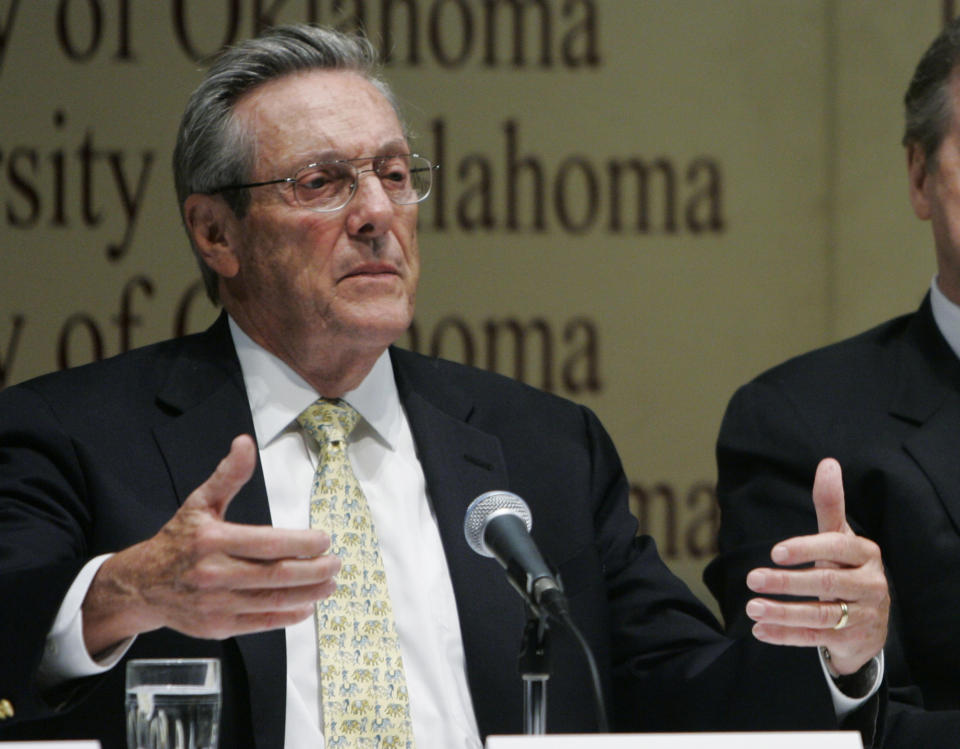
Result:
<point x="936" y="448"/>
<point x="460" y="462"/>
<point x="205" y="388"/>
<point x="928" y="394"/>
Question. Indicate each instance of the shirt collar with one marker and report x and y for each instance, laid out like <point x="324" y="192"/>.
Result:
<point x="947" y="316"/>
<point x="277" y="394"/>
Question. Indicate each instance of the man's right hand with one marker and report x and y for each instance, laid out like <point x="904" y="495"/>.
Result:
<point x="208" y="578"/>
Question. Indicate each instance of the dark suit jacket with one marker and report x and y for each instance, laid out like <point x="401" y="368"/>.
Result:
<point x="886" y="405"/>
<point x="97" y="458"/>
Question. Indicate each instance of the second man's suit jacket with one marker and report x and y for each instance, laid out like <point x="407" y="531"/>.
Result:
<point x="886" y="405"/>
<point x="98" y="458"/>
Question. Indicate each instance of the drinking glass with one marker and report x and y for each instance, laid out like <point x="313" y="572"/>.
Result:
<point x="173" y="703"/>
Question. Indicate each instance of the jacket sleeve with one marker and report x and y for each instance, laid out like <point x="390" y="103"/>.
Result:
<point x="44" y="526"/>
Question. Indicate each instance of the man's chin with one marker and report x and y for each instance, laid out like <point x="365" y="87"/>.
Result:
<point x="378" y="326"/>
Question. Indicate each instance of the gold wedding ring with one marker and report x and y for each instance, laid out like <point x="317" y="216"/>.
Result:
<point x="844" y="616"/>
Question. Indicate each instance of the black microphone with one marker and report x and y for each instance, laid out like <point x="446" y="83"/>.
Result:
<point x="497" y="524"/>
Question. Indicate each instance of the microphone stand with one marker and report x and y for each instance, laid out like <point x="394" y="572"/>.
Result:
<point x="534" y="663"/>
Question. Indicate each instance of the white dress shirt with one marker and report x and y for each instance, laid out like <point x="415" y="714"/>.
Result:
<point x="384" y="459"/>
<point x="947" y="316"/>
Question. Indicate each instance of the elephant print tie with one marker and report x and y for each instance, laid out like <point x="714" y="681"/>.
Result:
<point x="364" y="691"/>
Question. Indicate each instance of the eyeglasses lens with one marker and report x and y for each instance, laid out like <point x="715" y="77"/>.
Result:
<point x="330" y="185"/>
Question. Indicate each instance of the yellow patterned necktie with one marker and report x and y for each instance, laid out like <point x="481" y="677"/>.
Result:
<point x="363" y="686"/>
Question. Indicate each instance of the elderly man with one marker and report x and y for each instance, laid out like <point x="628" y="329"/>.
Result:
<point x="337" y="587"/>
<point x="885" y="405"/>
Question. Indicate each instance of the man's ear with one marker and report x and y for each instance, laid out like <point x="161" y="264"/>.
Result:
<point x="211" y="225"/>
<point x="920" y="181"/>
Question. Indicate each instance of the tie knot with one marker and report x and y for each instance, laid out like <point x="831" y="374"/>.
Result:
<point x="328" y="420"/>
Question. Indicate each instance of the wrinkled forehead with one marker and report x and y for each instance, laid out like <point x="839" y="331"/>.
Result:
<point x="313" y="115"/>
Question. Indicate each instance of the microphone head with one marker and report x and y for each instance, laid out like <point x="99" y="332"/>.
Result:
<point x="484" y="509"/>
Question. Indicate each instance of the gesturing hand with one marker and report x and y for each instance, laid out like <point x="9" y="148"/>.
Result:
<point x="206" y="577"/>
<point x="850" y="617"/>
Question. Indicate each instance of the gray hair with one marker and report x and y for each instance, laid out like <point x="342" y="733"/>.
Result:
<point x="927" y="103"/>
<point x="213" y="148"/>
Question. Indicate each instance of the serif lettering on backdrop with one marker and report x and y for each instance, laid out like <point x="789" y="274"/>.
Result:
<point x="75" y="182"/>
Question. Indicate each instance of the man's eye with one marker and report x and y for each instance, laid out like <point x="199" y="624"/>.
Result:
<point x="394" y="175"/>
<point x="318" y="180"/>
<point x="394" y="171"/>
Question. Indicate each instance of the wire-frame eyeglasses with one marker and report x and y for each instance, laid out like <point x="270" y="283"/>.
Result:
<point x="327" y="186"/>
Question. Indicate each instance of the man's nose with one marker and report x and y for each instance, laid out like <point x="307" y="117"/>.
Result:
<point x="371" y="209"/>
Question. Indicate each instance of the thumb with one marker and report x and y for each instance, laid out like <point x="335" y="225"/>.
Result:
<point x="228" y="478"/>
<point x="828" y="497"/>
